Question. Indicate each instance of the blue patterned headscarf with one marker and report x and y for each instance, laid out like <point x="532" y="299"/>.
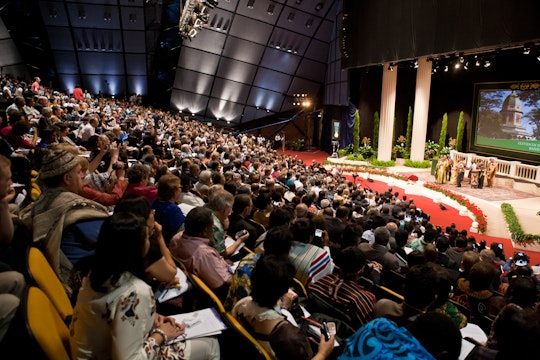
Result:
<point x="383" y="339"/>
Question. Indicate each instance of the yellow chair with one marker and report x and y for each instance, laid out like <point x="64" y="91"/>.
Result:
<point x="201" y="287"/>
<point x="299" y="288"/>
<point x="255" y="350"/>
<point x="45" y="325"/>
<point x="43" y="276"/>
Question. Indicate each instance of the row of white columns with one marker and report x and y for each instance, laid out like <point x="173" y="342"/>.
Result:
<point x="421" y="108"/>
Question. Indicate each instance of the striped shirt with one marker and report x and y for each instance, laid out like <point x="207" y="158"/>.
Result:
<point x="310" y="261"/>
<point x="346" y="296"/>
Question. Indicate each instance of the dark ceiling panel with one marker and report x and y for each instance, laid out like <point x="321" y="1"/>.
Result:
<point x="243" y="50"/>
<point x="132" y="18"/>
<point x="318" y="51"/>
<point x="280" y="61"/>
<point x="54" y="13"/>
<point x="207" y="40"/>
<point x="250" y="29"/>
<point x="260" y="10"/>
<point x="196" y="60"/>
<point x="297" y="21"/>
<point x="236" y="70"/>
<point x="312" y="70"/>
<point x="66" y="61"/>
<point x="272" y="80"/>
<point x="324" y="32"/>
<point x="300" y="85"/>
<point x="193" y="81"/>
<point x="134" y="42"/>
<point x="230" y="91"/>
<point x="136" y="64"/>
<point x="102" y="63"/>
<point x="94" y="16"/>
<point x="60" y="33"/>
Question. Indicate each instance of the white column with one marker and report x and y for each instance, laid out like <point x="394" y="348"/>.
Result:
<point x="421" y="108"/>
<point x="388" y="105"/>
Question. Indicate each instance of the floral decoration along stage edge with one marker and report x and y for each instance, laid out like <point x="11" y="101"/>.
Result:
<point x="476" y="211"/>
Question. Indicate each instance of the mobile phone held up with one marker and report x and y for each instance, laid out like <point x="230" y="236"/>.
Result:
<point x="318" y="233"/>
<point x="328" y="329"/>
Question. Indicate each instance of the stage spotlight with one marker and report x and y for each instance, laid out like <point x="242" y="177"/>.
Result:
<point x="487" y="63"/>
<point x="526" y="50"/>
<point x="416" y="64"/>
<point x="391" y="67"/>
<point x="446" y="68"/>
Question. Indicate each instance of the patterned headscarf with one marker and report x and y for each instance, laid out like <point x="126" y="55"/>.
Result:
<point x="383" y="339"/>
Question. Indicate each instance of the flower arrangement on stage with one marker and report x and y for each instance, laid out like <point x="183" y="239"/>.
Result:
<point x="369" y="170"/>
<point x="514" y="226"/>
<point x="478" y="214"/>
<point x="430" y="150"/>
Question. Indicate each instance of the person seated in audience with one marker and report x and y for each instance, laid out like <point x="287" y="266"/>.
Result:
<point x="514" y="335"/>
<point x="260" y="314"/>
<point x="113" y="191"/>
<point x="14" y="133"/>
<point x="443" y="243"/>
<point x="469" y="259"/>
<point x="64" y="223"/>
<point x="278" y="242"/>
<point x="433" y="337"/>
<point x="341" y="289"/>
<point x="311" y="262"/>
<point x="419" y="291"/>
<point x="456" y="252"/>
<point x="420" y="242"/>
<point x="239" y="219"/>
<point x="474" y="291"/>
<point x="521" y="291"/>
<point x="12" y="283"/>
<point x="188" y="195"/>
<point x="115" y="311"/>
<point x="161" y="268"/>
<point x="280" y="216"/>
<point x="167" y="212"/>
<point x="379" y="252"/>
<point x="264" y="208"/>
<point x="442" y="303"/>
<point x="193" y="248"/>
<point x="221" y="203"/>
<point x="138" y="176"/>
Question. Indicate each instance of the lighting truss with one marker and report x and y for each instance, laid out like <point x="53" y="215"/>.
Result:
<point x="194" y="17"/>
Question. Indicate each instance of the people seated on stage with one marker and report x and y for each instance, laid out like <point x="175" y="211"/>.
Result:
<point x="260" y="314"/>
<point x="200" y="258"/>
<point x="491" y="171"/>
<point x="115" y="310"/>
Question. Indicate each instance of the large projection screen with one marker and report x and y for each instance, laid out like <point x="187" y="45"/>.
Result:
<point x="506" y="120"/>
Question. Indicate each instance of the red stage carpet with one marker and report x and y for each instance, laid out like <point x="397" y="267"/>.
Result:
<point x="439" y="217"/>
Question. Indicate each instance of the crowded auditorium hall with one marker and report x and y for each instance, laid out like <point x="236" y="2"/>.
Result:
<point x="173" y="186"/>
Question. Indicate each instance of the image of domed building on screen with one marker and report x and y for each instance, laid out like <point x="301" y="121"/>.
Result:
<point x="512" y="118"/>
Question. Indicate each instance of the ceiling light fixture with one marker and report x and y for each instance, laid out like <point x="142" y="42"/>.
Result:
<point x="250" y="4"/>
<point x="82" y="14"/>
<point x="446" y="68"/>
<point x="270" y="10"/>
<point x="526" y="50"/>
<point x="319" y="6"/>
<point x="309" y="22"/>
<point x="487" y="63"/>
<point x="416" y="64"/>
<point x="290" y="17"/>
<point x="391" y="67"/>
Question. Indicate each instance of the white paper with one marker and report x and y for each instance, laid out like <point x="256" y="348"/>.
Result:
<point x="200" y="323"/>
<point x="164" y="294"/>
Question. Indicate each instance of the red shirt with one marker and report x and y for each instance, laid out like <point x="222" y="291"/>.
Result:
<point x="78" y="93"/>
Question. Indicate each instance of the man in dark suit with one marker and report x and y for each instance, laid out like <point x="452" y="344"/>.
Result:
<point x="443" y="243"/>
<point x="238" y="220"/>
